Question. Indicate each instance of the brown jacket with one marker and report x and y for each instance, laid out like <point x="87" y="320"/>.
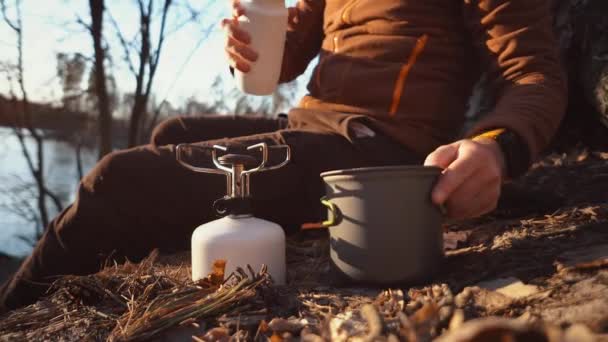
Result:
<point x="410" y="65"/>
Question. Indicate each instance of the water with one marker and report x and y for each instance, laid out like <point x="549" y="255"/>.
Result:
<point x="17" y="189"/>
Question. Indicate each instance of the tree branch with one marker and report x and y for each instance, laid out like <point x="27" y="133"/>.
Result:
<point x="36" y="169"/>
<point x="56" y="200"/>
<point x="123" y="42"/>
<point x="153" y="65"/>
<point x="11" y="24"/>
<point x="87" y="27"/>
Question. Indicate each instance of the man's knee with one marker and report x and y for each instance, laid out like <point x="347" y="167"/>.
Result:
<point x="114" y="170"/>
<point x="168" y="131"/>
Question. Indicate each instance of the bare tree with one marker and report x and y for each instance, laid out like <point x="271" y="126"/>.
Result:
<point x="19" y="200"/>
<point x="148" y="52"/>
<point x="103" y="104"/>
<point x="70" y="70"/>
<point x="23" y="122"/>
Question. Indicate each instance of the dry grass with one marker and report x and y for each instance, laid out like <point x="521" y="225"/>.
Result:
<point x="131" y="302"/>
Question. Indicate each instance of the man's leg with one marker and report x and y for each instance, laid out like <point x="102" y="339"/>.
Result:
<point x="140" y="199"/>
<point x="189" y="129"/>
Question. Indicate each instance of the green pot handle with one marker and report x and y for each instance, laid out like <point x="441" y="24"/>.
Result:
<point x="332" y="221"/>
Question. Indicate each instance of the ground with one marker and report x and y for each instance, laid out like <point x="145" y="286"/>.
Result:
<point x="535" y="269"/>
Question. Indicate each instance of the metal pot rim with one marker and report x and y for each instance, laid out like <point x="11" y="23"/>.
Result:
<point x="406" y="170"/>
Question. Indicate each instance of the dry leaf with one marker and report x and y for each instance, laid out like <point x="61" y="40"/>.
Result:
<point x="589" y="266"/>
<point x="428" y="312"/>
<point x="262" y="329"/>
<point x="602" y="155"/>
<point x="491" y="300"/>
<point x="283" y="325"/>
<point x="453" y="238"/>
<point x="579" y="333"/>
<point x="582" y="156"/>
<point x="510" y="287"/>
<point x="590" y="211"/>
<point x="374" y="321"/>
<point x="342" y="327"/>
<point x="276" y="338"/>
<point x="391" y="301"/>
<point x="493" y="329"/>
<point x="217" y="275"/>
<point x="583" y="258"/>
<point x="216" y="334"/>
<point x="457" y="320"/>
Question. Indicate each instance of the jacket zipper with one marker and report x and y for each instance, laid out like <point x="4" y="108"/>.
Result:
<point x="405" y="70"/>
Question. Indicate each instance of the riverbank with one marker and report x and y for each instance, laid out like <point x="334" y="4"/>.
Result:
<point x="59" y="123"/>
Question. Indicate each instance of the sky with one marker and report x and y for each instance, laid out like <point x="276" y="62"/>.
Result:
<point x="191" y="58"/>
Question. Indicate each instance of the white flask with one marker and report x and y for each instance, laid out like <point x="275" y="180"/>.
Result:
<point x="238" y="238"/>
<point x="266" y="23"/>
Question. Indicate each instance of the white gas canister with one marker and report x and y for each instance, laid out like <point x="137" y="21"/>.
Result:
<point x="239" y="238"/>
<point x="241" y="241"/>
<point x="266" y="23"/>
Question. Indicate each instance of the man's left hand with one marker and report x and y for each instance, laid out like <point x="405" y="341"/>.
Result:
<point x="473" y="171"/>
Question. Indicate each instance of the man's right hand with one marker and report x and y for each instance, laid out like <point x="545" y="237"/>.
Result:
<point x="239" y="52"/>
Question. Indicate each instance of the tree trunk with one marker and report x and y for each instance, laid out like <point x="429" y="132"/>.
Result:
<point x="103" y="103"/>
<point x="137" y="114"/>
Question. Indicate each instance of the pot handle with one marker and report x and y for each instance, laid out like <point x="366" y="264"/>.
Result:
<point x="333" y="220"/>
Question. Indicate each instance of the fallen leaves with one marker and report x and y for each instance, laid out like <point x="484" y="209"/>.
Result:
<point x="218" y="334"/>
<point x="293" y="325"/>
<point x="504" y="329"/>
<point x="510" y="287"/>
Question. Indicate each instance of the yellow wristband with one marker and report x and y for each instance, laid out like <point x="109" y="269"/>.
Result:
<point x="493" y="134"/>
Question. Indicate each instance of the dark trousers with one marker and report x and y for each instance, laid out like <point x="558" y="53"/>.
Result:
<point x="139" y="199"/>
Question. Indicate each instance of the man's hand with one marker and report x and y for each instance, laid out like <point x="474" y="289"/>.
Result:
<point x="237" y="47"/>
<point x="239" y="52"/>
<point x="473" y="171"/>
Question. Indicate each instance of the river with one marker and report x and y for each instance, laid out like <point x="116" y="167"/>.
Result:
<point x="62" y="178"/>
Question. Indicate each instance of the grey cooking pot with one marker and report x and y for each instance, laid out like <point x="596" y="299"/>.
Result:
<point x="383" y="227"/>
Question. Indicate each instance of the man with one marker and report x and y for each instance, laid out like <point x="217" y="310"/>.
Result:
<point x="390" y="87"/>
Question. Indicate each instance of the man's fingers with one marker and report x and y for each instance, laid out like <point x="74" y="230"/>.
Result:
<point x="452" y="177"/>
<point x="442" y="157"/>
<point x="225" y="22"/>
<point x="235" y="32"/>
<point x="238" y="63"/>
<point x="240" y="54"/>
<point x="470" y="182"/>
<point x="237" y="10"/>
<point x="235" y="47"/>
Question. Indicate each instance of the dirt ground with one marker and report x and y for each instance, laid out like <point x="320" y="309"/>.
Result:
<point x="535" y="269"/>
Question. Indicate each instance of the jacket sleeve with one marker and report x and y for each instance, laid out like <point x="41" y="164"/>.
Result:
<point x="304" y="38"/>
<point x="516" y="45"/>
